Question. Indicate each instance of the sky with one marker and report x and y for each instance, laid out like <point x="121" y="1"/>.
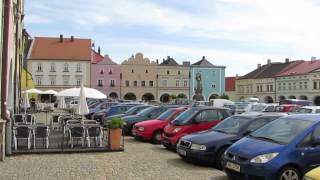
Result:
<point x="237" y="34"/>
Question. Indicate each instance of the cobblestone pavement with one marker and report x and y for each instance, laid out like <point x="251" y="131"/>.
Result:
<point x="139" y="161"/>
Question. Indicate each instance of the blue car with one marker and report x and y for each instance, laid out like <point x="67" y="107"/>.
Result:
<point x="284" y="149"/>
<point x="113" y="110"/>
<point x="99" y="107"/>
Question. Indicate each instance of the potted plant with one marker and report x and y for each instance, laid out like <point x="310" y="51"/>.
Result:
<point x="115" y="132"/>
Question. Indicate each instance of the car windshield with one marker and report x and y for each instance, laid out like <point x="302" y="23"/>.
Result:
<point x="231" y="125"/>
<point x="135" y="110"/>
<point x="282" y="131"/>
<point x="94" y="105"/>
<point x="184" y="117"/>
<point x="258" y="107"/>
<point x="303" y="110"/>
<point x="145" y="111"/>
<point x="166" y="115"/>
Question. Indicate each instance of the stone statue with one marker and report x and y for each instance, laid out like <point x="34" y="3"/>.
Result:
<point x="198" y="90"/>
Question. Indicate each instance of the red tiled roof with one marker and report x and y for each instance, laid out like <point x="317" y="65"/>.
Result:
<point x="302" y="68"/>
<point x="230" y="84"/>
<point x="96" y="57"/>
<point x="44" y="48"/>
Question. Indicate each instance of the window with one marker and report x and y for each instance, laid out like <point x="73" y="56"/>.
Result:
<point x="294" y="85"/>
<point x="132" y="71"/>
<point x="78" y="81"/>
<point x="268" y="89"/>
<point x="101" y="71"/>
<point x="314" y="85"/>
<point x="208" y="116"/>
<point x="258" y="87"/>
<point x="168" y="72"/>
<point x="52" y="80"/>
<point x="52" y="67"/>
<point x="66" y="80"/>
<point x="39" y="80"/>
<point x="135" y="83"/>
<point x="112" y="83"/>
<point x="213" y="86"/>
<point x="185" y="83"/>
<point x="259" y="123"/>
<point x="39" y="67"/>
<point x="110" y="71"/>
<point x="305" y="85"/>
<point x="150" y="83"/>
<point x="143" y="83"/>
<point x="79" y="67"/>
<point x="66" y="67"/>
<point x="127" y="83"/>
<point x="178" y="72"/>
<point x="146" y="71"/>
<point x="300" y="85"/>
<point x="164" y="83"/>
<point x="100" y="82"/>
<point x="177" y="83"/>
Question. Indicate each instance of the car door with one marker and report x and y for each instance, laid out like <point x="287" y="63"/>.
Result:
<point x="310" y="154"/>
<point x="205" y="120"/>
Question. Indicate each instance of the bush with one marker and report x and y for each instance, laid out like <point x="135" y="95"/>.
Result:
<point x="224" y="96"/>
<point x="116" y="123"/>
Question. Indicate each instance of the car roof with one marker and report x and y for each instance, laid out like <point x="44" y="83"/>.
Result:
<point x="261" y="114"/>
<point x="208" y="107"/>
<point x="311" y="107"/>
<point x="305" y="117"/>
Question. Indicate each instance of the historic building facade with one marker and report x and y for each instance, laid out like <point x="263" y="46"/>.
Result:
<point x="230" y="88"/>
<point x="207" y="81"/>
<point x="300" y="82"/>
<point x="139" y="79"/>
<point x="261" y="82"/>
<point x="173" y="80"/>
<point x="105" y="75"/>
<point x="60" y="63"/>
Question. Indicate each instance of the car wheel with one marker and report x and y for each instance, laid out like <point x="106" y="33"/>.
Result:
<point x="219" y="158"/>
<point x="156" y="137"/>
<point x="289" y="173"/>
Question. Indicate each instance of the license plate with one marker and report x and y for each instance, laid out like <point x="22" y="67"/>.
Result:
<point x="233" y="166"/>
<point x="182" y="152"/>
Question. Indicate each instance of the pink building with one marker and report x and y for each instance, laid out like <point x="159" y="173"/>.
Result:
<point x="105" y="75"/>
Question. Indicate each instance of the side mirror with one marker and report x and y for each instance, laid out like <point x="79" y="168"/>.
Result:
<point x="316" y="141"/>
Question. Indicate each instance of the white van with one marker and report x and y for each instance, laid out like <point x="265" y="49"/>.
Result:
<point x="220" y="102"/>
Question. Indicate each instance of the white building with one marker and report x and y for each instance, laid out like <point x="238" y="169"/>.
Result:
<point x="59" y="63"/>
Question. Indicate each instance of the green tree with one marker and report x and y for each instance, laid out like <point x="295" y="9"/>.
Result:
<point x="224" y="96"/>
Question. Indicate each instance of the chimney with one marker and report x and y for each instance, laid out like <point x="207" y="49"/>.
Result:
<point x="259" y="66"/>
<point x="203" y="57"/>
<point x="72" y="38"/>
<point x="186" y="63"/>
<point x="313" y="58"/>
<point x="157" y="61"/>
<point x="61" y="38"/>
<point x="269" y="61"/>
<point x="287" y="60"/>
<point x="99" y="50"/>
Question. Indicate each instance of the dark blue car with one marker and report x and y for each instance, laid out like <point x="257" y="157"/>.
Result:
<point x="283" y="149"/>
<point x="216" y="140"/>
<point x="113" y="110"/>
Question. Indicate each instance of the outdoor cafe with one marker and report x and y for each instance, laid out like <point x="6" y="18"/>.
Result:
<point x="50" y="129"/>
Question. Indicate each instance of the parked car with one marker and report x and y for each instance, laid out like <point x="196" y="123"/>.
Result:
<point x="113" y="110"/>
<point x="193" y="120"/>
<point x="151" y="130"/>
<point x="98" y="107"/>
<point x="314" y="174"/>
<point x="299" y="102"/>
<point x="308" y="109"/>
<point x="72" y="104"/>
<point x="147" y="114"/>
<point x="232" y="108"/>
<point x="287" y="108"/>
<point x="271" y="107"/>
<point x="209" y="146"/>
<point x="132" y="111"/>
<point x="286" y="148"/>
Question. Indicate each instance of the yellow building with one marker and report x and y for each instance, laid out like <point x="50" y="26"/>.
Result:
<point x="26" y="80"/>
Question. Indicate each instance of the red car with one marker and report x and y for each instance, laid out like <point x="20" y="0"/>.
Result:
<point x="151" y="130"/>
<point x="192" y="120"/>
<point x="287" y="108"/>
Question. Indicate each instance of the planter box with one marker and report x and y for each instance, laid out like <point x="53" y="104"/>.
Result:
<point x="115" y="138"/>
